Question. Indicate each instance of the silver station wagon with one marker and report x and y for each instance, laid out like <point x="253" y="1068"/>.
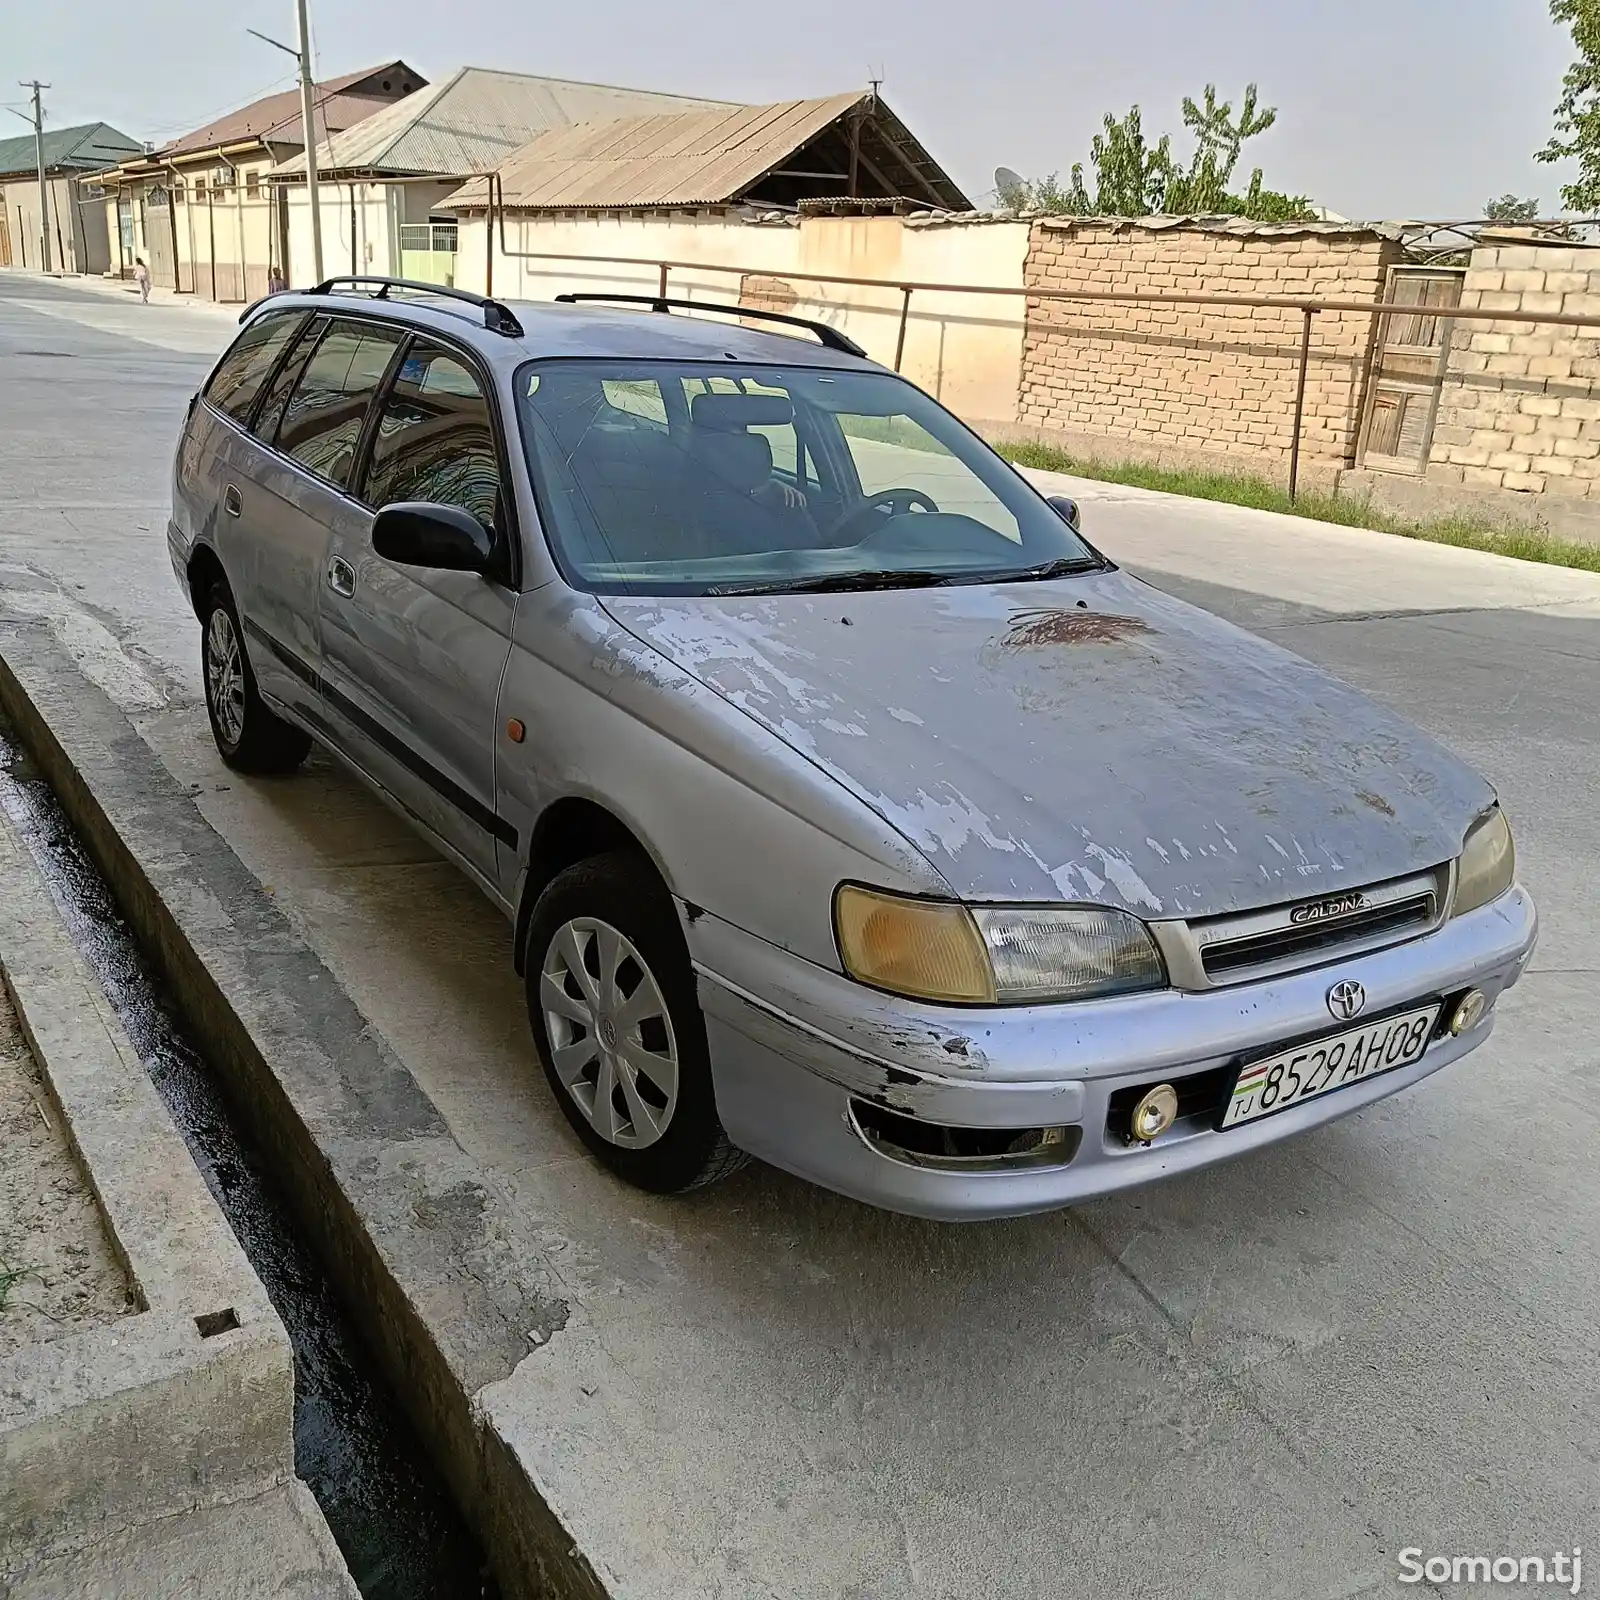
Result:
<point x="851" y="809"/>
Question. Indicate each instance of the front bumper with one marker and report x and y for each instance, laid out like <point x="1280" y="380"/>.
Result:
<point x="793" y="1044"/>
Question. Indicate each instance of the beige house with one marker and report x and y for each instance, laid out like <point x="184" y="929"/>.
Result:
<point x="74" y="219"/>
<point x="747" y="201"/>
<point x="201" y="213"/>
<point x="382" y="180"/>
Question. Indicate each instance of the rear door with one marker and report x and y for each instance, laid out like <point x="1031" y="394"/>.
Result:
<point x="296" y="497"/>
<point x="413" y="659"/>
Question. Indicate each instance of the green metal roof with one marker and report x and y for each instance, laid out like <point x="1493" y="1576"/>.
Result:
<point x="86" y="148"/>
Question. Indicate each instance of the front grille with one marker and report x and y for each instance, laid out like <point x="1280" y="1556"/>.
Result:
<point x="1257" y="944"/>
<point x="1290" y="944"/>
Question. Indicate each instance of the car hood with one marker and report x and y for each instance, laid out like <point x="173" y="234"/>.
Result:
<point x="1091" y="739"/>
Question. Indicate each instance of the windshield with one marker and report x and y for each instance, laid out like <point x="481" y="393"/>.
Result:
<point x="716" y="478"/>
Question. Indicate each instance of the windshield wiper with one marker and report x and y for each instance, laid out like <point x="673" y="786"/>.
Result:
<point x="1062" y="567"/>
<point x="842" y="582"/>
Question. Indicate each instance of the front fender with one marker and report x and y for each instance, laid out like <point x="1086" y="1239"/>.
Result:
<point x="737" y="821"/>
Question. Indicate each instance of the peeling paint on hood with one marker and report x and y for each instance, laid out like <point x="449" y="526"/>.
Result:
<point x="1090" y="740"/>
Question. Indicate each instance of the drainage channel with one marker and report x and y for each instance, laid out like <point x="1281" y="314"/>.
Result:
<point x="395" y="1524"/>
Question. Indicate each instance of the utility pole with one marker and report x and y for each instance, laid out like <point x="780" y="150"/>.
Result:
<point x="38" y="151"/>
<point x="308" y="117"/>
<point x="308" y="125"/>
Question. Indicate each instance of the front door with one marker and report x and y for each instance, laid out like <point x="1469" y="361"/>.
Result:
<point x="413" y="659"/>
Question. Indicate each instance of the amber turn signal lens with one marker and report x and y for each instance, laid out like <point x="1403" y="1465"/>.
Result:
<point x="924" y="949"/>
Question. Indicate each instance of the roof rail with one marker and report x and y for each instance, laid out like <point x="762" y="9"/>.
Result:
<point x="830" y="337"/>
<point x="497" y="317"/>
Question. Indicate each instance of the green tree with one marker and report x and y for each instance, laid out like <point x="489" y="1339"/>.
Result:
<point x="1577" y="132"/>
<point x="1135" y="178"/>
<point x="1508" y="208"/>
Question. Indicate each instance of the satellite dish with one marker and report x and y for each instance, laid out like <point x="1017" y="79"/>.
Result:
<point x="1005" y="178"/>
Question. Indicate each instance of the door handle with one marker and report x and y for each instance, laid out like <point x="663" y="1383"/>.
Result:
<point x="341" y="577"/>
<point x="231" y="503"/>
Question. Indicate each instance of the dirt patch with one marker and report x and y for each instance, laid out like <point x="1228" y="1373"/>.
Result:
<point x="57" y="1271"/>
<point x="1375" y="802"/>
<point x="1031" y="628"/>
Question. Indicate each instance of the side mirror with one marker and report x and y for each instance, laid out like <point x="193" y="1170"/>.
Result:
<point x="1065" y="508"/>
<point x="418" y="533"/>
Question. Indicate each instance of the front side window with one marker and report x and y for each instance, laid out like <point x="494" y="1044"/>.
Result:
<point x="435" y="438"/>
<point x="721" y="477"/>
<point x="241" y="372"/>
<point x="322" y="422"/>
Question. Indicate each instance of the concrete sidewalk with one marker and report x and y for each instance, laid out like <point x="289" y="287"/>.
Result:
<point x="1265" y="1378"/>
<point x="144" y="1453"/>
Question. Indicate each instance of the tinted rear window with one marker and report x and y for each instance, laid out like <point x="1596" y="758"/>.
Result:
<point x="322" y="423"/>
<point x="238" y="378"/>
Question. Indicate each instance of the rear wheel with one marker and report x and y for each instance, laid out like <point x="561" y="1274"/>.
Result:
<point x="615" y="1017"/>
<point x="249" y="737"/>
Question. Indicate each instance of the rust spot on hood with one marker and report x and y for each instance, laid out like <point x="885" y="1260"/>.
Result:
<point x="1031" y="628"/>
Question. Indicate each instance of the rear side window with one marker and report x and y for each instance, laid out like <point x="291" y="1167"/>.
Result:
<point x="435" y="439"/>
<point x="240" y="374"/>
<point x="322" y="422"/>
<point x="271" y="413"/>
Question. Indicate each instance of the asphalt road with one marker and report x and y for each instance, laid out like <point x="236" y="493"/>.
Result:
<point x="1267" y="1380"/>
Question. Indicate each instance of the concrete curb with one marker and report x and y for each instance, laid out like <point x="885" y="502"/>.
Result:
<point x="433" y="1270"/>
<point x="190" y="1400"/>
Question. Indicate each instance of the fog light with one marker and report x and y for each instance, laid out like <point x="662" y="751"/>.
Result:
<point x="1469" y="1011"/>
<point x="1154" y="1113"/>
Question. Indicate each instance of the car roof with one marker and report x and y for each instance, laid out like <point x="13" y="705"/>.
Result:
<point x="550" y="329"/>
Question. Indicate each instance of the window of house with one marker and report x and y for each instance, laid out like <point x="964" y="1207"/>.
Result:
<point x="435" y="438"/>
<point x="322" y="422"/>
<point x="252" y="185"/>
<point x="241" y="372"/>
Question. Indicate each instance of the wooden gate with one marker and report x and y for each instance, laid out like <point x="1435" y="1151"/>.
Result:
<point x="158" y="238"/>
<point x="1413" y="347"/>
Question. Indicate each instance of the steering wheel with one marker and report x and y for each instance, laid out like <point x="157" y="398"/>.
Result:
<point x="897" y="502"/>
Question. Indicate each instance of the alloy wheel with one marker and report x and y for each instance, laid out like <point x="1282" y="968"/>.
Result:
<point x="225" y="676"/>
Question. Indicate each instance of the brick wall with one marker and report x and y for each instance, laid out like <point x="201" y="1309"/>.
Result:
<point x="1198" y="381"/>
<point x="1520" y="408"/>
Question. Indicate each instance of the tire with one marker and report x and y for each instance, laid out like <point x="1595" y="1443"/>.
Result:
<point x="658" y="1127"/>
<point x="249" y="737"/>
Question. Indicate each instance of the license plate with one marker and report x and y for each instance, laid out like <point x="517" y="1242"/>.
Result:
<point x="1322" y="1065"/>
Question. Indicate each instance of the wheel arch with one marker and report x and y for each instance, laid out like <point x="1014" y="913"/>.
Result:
<point x="204" y="568"/>
<point x="568" y="831"/>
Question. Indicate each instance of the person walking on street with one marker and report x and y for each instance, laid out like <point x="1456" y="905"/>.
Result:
<point x="141" y="276"/>
<point x="276" y="282"/>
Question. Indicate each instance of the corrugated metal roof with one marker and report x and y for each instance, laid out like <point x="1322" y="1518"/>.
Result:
<point x="691" y="158"/>
<point x="475" y="119"/>
<point x="337" y="106"/>
<point x="85" y="148"/>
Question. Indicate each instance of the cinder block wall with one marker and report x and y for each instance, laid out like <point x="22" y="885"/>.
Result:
<point x="1193" y="383"/>
<point x="1520" y="408"/>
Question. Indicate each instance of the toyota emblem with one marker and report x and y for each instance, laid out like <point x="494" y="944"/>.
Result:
<point x="1346" y="998"/>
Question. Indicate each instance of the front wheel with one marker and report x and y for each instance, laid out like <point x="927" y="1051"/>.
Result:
<point x="249" y="737"/>
<point x="615" y="1017"/>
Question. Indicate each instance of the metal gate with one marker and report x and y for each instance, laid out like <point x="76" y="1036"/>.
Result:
<point x="158" y="237"/>
<point x="1413" y="348"/>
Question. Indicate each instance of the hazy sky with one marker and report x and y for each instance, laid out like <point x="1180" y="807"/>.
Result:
<point x="1386" y="107"/>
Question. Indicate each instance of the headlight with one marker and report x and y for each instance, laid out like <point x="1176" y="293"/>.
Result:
<point x="938" y="950"/>
<point x="1488" y="864"/>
